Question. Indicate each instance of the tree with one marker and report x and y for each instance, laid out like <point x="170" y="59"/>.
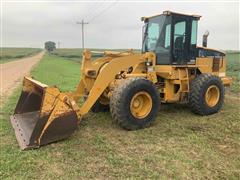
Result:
<point x="50" y="46"/>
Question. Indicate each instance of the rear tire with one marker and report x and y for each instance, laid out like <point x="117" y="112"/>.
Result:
<point x="134" y="103"/>
<point x="206" y="94"/>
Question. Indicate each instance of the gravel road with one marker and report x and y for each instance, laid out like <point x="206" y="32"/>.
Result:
<point x="12" y="72"/>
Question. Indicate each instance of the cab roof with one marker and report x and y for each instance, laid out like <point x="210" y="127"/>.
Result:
<point x="169" y="13"/>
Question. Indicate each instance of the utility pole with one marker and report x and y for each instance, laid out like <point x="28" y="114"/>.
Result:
<point x="82" y="23"/>
<point x="59" y="44"/>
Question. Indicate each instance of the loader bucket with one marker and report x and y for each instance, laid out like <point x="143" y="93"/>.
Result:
<point x="43" y="115"/>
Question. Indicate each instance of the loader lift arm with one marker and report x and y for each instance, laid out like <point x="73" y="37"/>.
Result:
<point x="107" y="75"/>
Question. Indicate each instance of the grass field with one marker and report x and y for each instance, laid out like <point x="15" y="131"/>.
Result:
<point x="76" y="54"/>
<point x="179" y="145"/>
<point x="233" y="70"/>
<point x="8" y="54"/>
<point x="68" y="53"/>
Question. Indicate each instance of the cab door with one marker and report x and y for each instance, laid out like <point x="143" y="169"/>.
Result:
<point x="181" y="40"/>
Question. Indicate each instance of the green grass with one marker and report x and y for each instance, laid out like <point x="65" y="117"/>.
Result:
<point x="65" y="52"/>
<point x="179" y="145"/>
<point x="9" y="54"/>
<point x="233" y="69"/>
<point x="54" y="70"/>
<point x="76" y="53"/>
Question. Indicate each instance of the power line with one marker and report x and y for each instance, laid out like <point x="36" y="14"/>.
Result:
<point x="92" y="10"/>
<point x="94" y="17"/>
<point x="103" y="11"/>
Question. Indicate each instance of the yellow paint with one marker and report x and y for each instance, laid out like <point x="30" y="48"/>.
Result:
<point x="212" y="96"/>
<point x="141" y="105"/>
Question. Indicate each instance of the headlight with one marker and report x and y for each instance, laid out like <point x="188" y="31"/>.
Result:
<point x="148" y="63"/>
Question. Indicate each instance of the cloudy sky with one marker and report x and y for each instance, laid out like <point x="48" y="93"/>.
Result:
<point x="112" y="24"/>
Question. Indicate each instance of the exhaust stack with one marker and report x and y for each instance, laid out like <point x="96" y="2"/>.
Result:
<point x="205" y="36"/>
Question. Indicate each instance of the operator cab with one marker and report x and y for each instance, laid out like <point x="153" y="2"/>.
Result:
<point x="172" y="37"/>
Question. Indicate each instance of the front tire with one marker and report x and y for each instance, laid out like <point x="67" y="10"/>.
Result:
<point x="134" y="103"/>
<point x="206" y="94"/>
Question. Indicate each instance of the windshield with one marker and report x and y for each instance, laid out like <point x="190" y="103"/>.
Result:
<point x="157" y="34"/>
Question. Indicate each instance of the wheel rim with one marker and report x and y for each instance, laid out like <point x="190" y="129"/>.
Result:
<point x="212" y="95"/>
<point x="141" y="105"/>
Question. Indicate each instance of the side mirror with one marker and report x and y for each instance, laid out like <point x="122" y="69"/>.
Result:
<point x="205" y="36"/>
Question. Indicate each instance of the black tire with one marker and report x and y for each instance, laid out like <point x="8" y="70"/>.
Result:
<point x="99" y="107"/>
<point x="198" y="90"/>
<point x="121" y="99"/>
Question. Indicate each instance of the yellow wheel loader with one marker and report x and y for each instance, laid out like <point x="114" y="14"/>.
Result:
<point x="170" y="69"/>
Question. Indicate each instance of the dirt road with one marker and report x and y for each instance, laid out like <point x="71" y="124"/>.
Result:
<point x="12" y="72"/>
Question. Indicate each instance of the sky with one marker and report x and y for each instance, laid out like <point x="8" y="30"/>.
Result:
<point x="112" y="24"/>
